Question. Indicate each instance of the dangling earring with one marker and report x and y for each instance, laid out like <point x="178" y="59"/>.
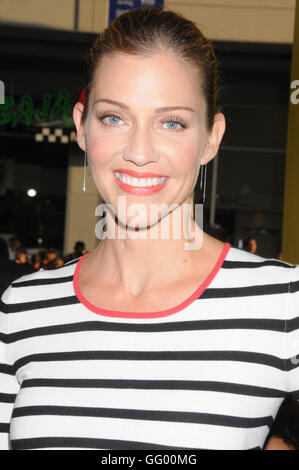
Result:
<point x="202" y="187"/>
<point x="84" y="174"/>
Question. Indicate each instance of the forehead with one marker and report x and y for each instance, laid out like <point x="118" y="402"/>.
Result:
<point x="160" y="76"/>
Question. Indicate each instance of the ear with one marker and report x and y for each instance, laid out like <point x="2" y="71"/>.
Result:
<point x="77" y="116"/>
<point x="214" y="139"/>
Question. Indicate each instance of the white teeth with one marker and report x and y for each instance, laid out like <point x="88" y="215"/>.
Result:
<point x="139" y="182"/>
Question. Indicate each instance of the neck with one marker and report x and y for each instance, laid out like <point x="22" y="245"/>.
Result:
<point x="153" y="256"/>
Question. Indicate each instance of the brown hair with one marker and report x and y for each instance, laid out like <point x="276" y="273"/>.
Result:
<point x="145" y="30"/>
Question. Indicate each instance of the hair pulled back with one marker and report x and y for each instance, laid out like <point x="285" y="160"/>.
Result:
<point x="146" y="30"/>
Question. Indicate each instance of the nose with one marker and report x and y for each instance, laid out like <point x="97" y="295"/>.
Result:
<point x="140" y="148"/>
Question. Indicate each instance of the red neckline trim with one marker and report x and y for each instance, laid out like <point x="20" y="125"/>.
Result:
<point x="163" y="313"/>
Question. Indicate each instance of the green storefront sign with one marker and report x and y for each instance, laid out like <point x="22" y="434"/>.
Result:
<point x="52" y="109"/>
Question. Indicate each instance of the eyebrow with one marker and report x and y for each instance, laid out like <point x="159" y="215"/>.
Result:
<point x="158" y="110"/>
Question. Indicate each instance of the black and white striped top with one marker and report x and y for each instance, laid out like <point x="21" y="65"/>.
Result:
<point x="210" y="373"/>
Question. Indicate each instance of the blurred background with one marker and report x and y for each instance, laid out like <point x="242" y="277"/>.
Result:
<point x="252" y="184"/>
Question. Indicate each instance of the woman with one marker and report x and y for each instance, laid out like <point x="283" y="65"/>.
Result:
<point x="177" y="342"/>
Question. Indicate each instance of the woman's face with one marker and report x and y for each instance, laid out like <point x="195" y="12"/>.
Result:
<point x="127" y="129"/>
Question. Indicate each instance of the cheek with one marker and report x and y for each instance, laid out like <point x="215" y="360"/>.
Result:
<point x="187" y="159"/>
<point x="100" y="151"/>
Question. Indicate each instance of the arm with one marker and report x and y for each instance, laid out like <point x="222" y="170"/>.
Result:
<point x="9" y="385"/>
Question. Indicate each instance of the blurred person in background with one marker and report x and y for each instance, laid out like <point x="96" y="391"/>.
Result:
<point x="44" y="260"/>
<point x="58" y="263"/>
<point x="36" y="261"/>
<point x="51" y="255"/>
<point x="22" y="256"/>
<point x="14" y="245"/>
<point x="9" y="270"/>
<point x="79" y="250"/>
<point x="250" y="244"/>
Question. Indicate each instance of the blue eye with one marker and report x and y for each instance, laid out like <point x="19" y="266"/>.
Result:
<point x="173" y="122"/>
<point x="113" y="118"/>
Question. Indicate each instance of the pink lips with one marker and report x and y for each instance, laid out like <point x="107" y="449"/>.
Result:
<point x="136" y="190"/>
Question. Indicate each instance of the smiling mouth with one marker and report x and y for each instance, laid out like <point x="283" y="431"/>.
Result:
<point x="139" y="182"/>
